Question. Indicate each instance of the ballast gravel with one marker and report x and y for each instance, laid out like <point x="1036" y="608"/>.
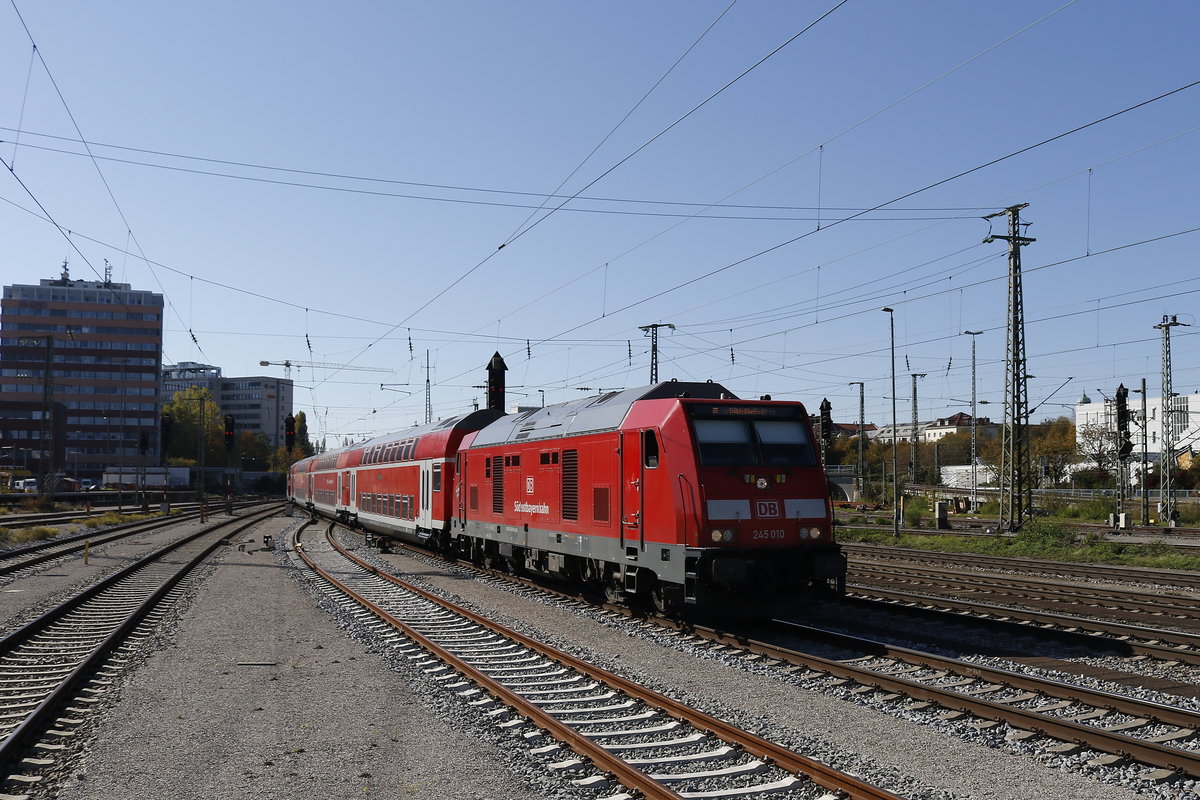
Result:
<point x="256" y="693"/>
<point x="264" y="687"/>
<point x="913" y="754"/>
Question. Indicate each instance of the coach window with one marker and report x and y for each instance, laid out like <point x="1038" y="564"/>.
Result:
<point x="437" y="477"/>
<point x="650" y="449"/>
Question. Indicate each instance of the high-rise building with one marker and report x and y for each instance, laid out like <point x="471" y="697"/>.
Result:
<point x="258" y="404"/>
<point x="96" y="348"/>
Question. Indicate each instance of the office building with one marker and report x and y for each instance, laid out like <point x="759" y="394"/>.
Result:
<point x="96" y="348"/>
<point x="258" y="404"/>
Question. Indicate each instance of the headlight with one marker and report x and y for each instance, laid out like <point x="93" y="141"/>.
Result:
<point x="729" y="536"/>
<point x="716" y="535"/>
<point x="814" y="533"/>
<point x="761" y="483"/>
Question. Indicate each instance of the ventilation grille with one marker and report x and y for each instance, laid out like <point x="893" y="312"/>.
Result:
<point x="497" y="486"/>
<point x="570" y="484"/>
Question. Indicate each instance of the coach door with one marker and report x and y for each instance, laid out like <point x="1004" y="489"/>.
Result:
<point x="460" y="479"/>
<point x="633" y="528"/>
<point x="345" y="486"/>
<point x="424" y="517"/>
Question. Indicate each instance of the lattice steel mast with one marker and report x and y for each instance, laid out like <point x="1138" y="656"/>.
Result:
<point x="1168" y="422"/>
<point x="1016" y="461"/>
<point x="652" y="331"/>
<point x="912" y="436"/>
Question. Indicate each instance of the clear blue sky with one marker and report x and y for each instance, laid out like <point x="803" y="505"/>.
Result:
<point x="422" y="136"/>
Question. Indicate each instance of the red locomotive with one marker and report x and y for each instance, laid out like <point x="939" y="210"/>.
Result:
<point x="676" y="493"/>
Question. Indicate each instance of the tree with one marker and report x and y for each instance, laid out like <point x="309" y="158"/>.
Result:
<point x="1052" y="446"/>
<point x="303" y="445"/>
<point x="1097" y="444"/>
<point x="187" y="409"/>
<point x="255" y="449"/>
<point x="280" y="461"/>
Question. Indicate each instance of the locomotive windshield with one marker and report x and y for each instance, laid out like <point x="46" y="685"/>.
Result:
<point x="752" y="436"/>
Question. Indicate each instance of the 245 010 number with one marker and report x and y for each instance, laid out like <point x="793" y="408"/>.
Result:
<point x="769" y="533"/>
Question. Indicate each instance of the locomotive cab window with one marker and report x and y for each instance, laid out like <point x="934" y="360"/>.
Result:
<point x="755" y="436"/>
<point x="724" y="443"/>
<point x="784" y="443"/>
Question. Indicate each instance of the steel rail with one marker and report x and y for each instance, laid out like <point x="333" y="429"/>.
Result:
<point x="1156" y="712"/>
<point x="820" y="774"/>
<point x="49" y="549"/>
<point x="1173" y="578"/>
<point x="48" y="708"/>
<point x="1144" y="751"/>
<point x="1150" y="753"/>
<point x="1172" y="648"/>
<point x="1033" y="588"/>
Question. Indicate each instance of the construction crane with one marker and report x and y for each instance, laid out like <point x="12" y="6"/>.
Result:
<point x="288" y="364"/>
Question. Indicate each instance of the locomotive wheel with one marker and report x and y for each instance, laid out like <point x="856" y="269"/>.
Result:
<point x="665" y="600"/>
<point x="614" y="591"/>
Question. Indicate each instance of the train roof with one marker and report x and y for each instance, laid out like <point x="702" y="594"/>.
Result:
<point x="590" y="414"/>
<point x="469" y="421"/>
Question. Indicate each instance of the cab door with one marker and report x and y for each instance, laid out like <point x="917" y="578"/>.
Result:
<point x="633" y="507"/>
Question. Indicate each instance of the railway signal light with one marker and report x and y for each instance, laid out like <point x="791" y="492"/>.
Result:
<point x="826" y="419"/>
<point x="1124" y="443"/>
<point x="143" y="443"/>
<point x="289" y="433"/>
<point x="165" y="431"/>
<point x="229" y="432"/>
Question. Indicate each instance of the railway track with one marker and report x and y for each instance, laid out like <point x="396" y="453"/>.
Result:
<point x="50" y="519"/>
<point x="649" y="743"/>
<point x="1041" y="593"/>
<point x="20" y="558"/>
<point x="1172" y="579"/>
<point x="53" y="668"/>
<point x="1140" y="640"/>
<point x="1121" y="729"/>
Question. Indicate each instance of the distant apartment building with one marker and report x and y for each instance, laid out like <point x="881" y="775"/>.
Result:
<point x="901" y="432"/>
<point x="1185" y="421"/>
<point x="95" y="347"/>
<point x="258" y="404"/>
<point x="958" y="423"/>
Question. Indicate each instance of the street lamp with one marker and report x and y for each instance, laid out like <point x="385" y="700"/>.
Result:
<point x="974" y="428"/>
<point x="895" y="487"/>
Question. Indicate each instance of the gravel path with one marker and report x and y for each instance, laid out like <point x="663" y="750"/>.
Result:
<point x="255" y="693"/>
<point x="916" y="759"/>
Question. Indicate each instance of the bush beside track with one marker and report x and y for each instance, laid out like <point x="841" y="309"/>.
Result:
<point x="9" y="536"/>
<point x="1038" y="539"/>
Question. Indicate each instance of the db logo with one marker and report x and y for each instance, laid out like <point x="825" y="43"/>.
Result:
<point x="529" y="485"/>
<point x="766" y="509"/>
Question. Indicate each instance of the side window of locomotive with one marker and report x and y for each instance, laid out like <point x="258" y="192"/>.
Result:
<point x="724" y="442"/>
<point x="784" y="443"/>
<point x="650" y="449"/>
